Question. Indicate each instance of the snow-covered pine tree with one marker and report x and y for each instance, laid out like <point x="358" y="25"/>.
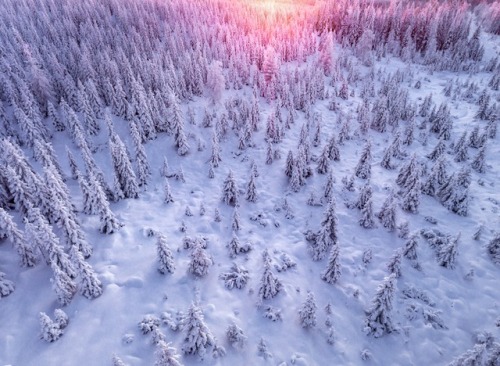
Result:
<point x="438" y="151"/>
<point x="410" y="247"/>
<point x="6" y="286"/>
<point x="323" y="161"/>
<point x="447" y="254"/>
<point x="167" y="194"/>
<point x="90" y="285"/>
<point x="141" y="159"/>
<point x="474" y="138"/>
<point x="474" y="356"/>
<point x="229" y="190"/>
<point x="43" y="238"/>
<point x="166" y="355"/>
<point x="165" y="169"/>
<point x="387" y="213"/>
<point x="200" y="261"/>
<point x="269" y="286"/>
<point x="63" y="285"/>
<point x="307" y="312"/>
<point x="24" y="250"/>
<point x="50" y="331"/>
<point x="406" y="170"/>
<point x="198" y="337"/>
<point x="460" y="148"/>
<point x="364" y="196"/>
<point x="333" y="149"/>
<point x="71" y="229"/>
<point x="386" y="159"/>
<point x="494" y="248"/>
<point x="394" y="264"/>
<point x="326" y="237"/>
<point x="411" y="197"/>
<point x="108" y="220"/>
<point x="436" y="179"/>
<point x="165" y="256"/>
<point x="251" y="194"/>
<point x="479" y="161"/>
<point x="123" y="168"/>
<point x="367" y="220"/>
<point x="378" y="319"/>
<point x="363" y="168"/>
<point x="236" y="337"/>
<point x="332" y="272"/>
<point x="328" y="193"/>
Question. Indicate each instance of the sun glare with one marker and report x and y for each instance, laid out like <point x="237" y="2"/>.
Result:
<point x="276" y="6"/>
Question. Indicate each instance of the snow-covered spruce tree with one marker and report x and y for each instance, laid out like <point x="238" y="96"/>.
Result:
<point x="290" y="162"/>
<point x="387" y="213"/>
<point x="165" y="257"/>
<point x="44" y="153"/>
<point x="328" y="193"/>
<point x="236" y="337"/>
<point x="235" y="220"/>
<point x="123" y="168"/>
<point x="167" y="194"/>
<point x="251" y="194"/>
<point x="394" y="264"/>
<point x="474" y="356"/>
<point x="198" y="337"/>
<point x="454" y="196"/>
<point x="327" y="234"/>
<point x="494" y="248"/>
<point x="307" y="312"/>
<point x="141" y="159"/>
<point x="6" y="286"/>
<point x="386" y="159"/>
<point x="378" y="318"/>
<point x="61" y="318"/>
<point x="460" y="149"/>
<point x="367" y="218"/>
<point x="40" y="233"/>
<point x="411" y="197"/>
<point x="50" y="331"/>
<point x="90" y="285"/>
<point x="438" y="151"/>
<point x="20" y="191"/>
<point x="364" y="196"/>
<point x="363" y="168"/>
<point x="200" y="261"/>
<point x="166" y="355"/>
<point x="63" y="285"/>
<point x="269" y="286"/>
<point x="229" y="190"/>
<point x="475" y="139"/>
<point x="406" y="170"/>
<point x="323" y="162"/>
<point x="109" y="222"/>
<point x="296" y="179"/>
<point x="332" y="272"/>
<point x="436" y="178"/>
<point x="24" y="250"/>
<point x="478" y="163"/>
<point x="117" y="361"/>
<point x="165" y="169"/>
<point x="447" y="254"/>
<point x="333" y="149"/>
<point x="71" y="229"/>
<point x="410" y="247"/>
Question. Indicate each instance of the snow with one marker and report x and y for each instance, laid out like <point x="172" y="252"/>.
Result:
<point x="127" y="265"/>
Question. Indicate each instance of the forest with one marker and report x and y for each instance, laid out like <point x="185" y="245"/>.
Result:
<point x="249" y="182"/>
